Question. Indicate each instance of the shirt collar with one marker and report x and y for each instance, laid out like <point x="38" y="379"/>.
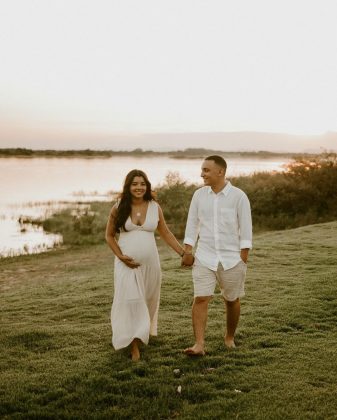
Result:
<point x="224" y="191"/>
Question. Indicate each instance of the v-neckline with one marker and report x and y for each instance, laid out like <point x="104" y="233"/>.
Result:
<point x="147" y="209"/>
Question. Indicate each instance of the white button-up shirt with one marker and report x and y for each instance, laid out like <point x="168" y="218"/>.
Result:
<point x="223" y="223"/>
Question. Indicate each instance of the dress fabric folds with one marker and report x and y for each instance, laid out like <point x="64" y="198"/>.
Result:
<point x="134" y="312"/>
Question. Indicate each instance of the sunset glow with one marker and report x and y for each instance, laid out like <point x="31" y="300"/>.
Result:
<point x="78" y="72"/>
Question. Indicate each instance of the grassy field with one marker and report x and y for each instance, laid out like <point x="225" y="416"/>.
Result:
<point x="57" y="360"/>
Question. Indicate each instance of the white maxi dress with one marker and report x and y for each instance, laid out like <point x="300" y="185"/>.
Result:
<point x="134" y="312"/>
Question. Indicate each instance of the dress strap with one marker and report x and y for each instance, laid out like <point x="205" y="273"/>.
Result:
<point x="155" y="207"/>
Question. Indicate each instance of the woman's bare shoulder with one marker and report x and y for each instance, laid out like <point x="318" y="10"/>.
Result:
<point x="114" y="209"/>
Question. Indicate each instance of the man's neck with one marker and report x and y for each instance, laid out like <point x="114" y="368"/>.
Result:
<point x="219" y="187"/>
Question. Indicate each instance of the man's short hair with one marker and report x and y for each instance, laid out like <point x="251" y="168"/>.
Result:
<point x="218" y="160"/>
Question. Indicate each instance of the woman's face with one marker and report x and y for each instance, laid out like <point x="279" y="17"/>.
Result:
<point x="138" y="187"/>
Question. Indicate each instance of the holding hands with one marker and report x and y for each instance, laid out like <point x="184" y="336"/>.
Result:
<point x="187" y="258"/>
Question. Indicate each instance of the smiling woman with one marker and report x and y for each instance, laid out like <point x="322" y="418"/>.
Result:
<point x="135" y="198"/>
<point x="137" y="274"/>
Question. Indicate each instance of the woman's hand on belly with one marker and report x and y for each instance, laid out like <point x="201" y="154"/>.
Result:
<point x="129" y="261"/>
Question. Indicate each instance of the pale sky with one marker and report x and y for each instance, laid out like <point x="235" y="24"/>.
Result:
<point x="73" y="69"/>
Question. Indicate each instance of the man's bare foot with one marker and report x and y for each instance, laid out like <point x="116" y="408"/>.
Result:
<point x="229" y="343"/>
<point x="196" y="350"/>
<point x="135" y="353"/>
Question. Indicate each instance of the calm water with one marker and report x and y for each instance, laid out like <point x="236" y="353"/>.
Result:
<point x="36" y="186"/>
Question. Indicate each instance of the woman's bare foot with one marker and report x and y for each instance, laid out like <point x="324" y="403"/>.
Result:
<point x="229" y="342"/>
<point x="135" y="353"/>
<point x="196" y="350"/>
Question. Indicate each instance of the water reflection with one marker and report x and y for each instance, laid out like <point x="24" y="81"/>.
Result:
<point x="20" y="235"/>
<point x="19" y="239"/>
<point x="54" y="179"/>
<point x="36" y="187"/>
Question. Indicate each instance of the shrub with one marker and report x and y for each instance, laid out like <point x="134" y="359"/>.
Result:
<point x="305" y="193"/>
<point x="175" y="196"/>
<point x="79" y="226"/>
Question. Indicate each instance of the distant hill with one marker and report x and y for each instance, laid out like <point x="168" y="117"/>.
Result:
<point x="159" y="142"/>
<point x="177" y="154"/>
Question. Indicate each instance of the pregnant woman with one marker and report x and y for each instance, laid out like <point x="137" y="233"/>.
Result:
<point x="137" y="274"/>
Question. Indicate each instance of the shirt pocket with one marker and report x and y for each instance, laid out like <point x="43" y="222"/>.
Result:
<point x="204" y="213"/>
<point x="228" y="220"/>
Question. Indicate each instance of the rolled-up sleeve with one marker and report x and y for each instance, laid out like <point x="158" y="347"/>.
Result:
<point x="245" y="222"/>
<point x="192" y="225"/>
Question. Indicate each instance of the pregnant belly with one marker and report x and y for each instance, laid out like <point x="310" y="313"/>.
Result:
<point x="140" y="245"/>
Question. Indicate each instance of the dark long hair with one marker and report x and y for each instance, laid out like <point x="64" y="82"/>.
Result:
<point x="124" y="207"/>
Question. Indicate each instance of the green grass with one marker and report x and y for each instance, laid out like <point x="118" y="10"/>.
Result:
<point x="57" y="360"/>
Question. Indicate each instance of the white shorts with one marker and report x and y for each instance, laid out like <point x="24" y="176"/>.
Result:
<point x="231" y="282"/>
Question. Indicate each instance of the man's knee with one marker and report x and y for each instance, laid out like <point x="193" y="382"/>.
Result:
<point x="202" y="300"/>
<point x="232" y="302"/>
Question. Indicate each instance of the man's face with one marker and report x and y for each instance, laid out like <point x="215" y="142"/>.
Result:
<point x="211" y="173"/>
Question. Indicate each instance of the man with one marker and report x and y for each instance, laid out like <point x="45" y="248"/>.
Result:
<point x="220" y="215"/>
